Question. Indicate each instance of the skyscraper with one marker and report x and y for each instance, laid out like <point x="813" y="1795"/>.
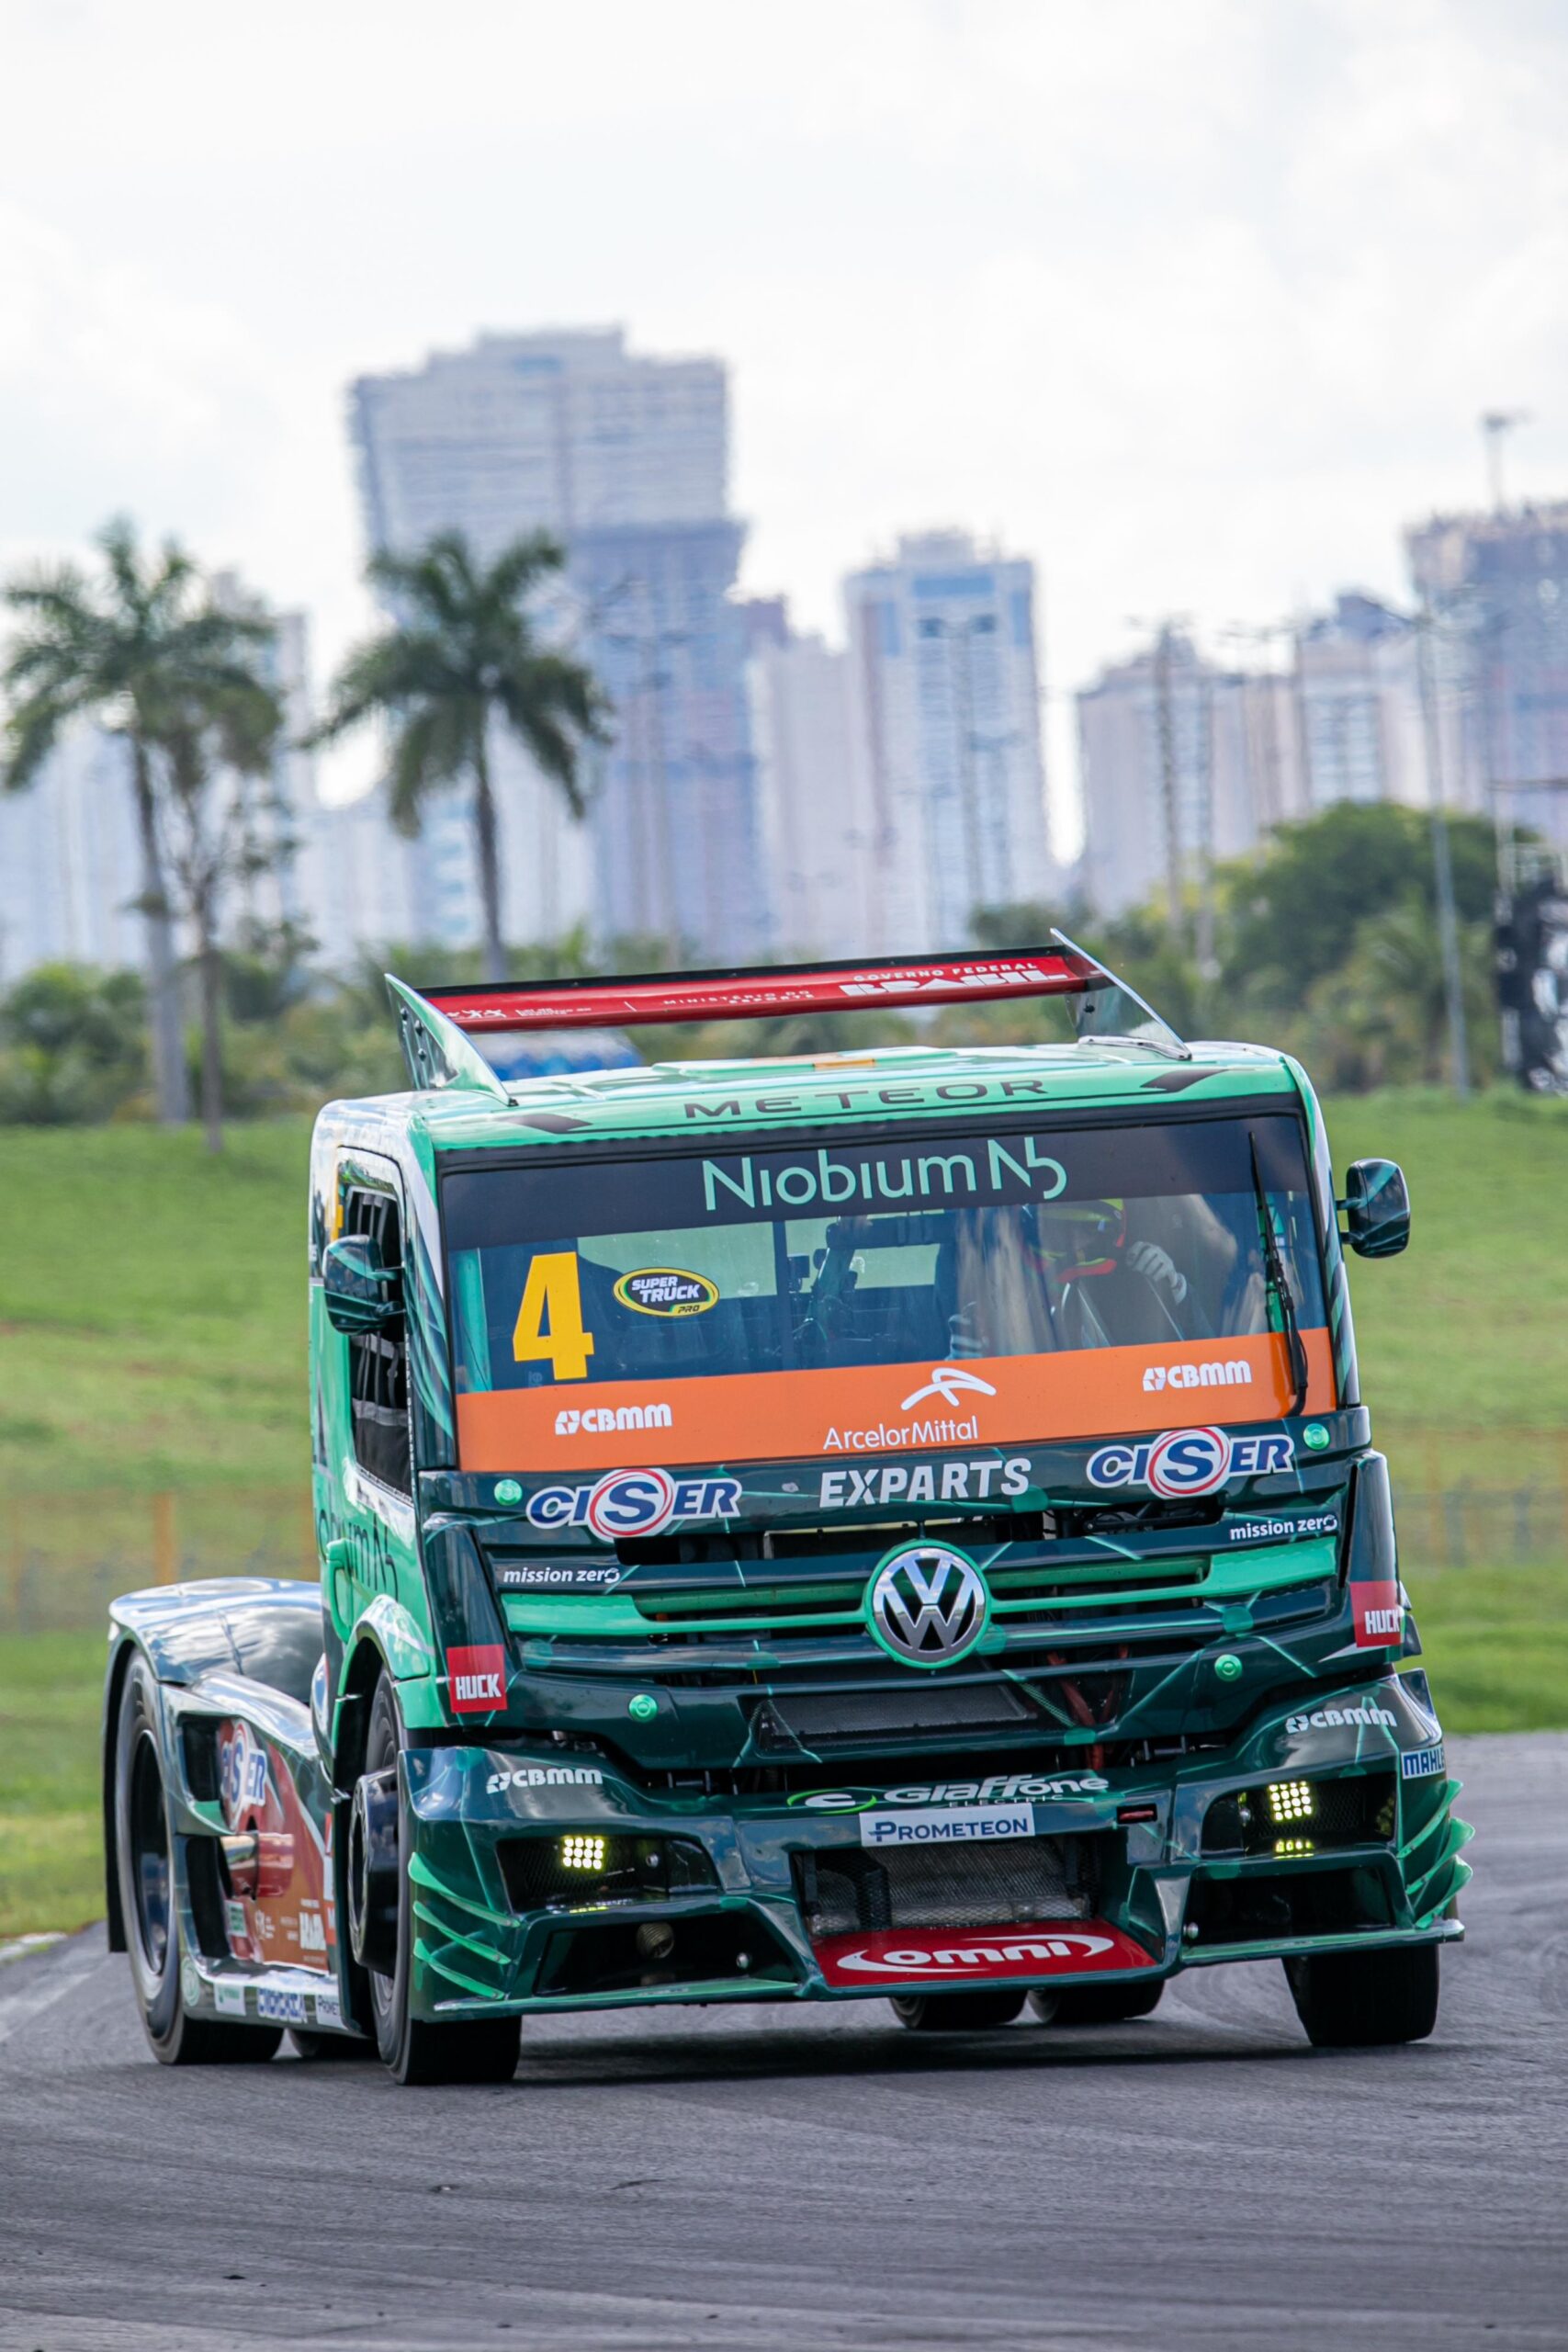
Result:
<point x="1495" y="588"/>
<point x="1168" y="762"/>
<point x="942" y="648"/>
<point x="1359" y="733"/>
<point x="816" y="804"/>
<point x="625" y="458"/>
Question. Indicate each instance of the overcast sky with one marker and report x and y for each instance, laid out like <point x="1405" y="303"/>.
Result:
<point x="1195" y="301"/>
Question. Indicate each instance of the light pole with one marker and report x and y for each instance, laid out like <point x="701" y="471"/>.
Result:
<point x="957" y="635"/>
<point x="658" y="846"/>
<point x="1442" y="862"/>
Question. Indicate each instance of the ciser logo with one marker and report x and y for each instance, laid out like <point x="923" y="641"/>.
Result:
<point x="633" y="1502"/>
<point x="1188" y="1461"/>
<point x="1232" y="1374"/>
<point x="476" y="1677"/>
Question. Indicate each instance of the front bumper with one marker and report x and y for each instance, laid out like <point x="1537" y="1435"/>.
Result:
<point x="1146" y="1877"/>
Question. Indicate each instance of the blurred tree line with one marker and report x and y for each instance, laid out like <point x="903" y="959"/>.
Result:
<point x="1326" y="945"/>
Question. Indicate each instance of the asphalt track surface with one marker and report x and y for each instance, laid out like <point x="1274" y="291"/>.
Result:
<point x="819" y="2178"/>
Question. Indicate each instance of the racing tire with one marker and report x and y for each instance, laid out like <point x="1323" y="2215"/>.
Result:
<point x="1365" y="2000"/>
<point x="144" y="1862"/>
<point x="413" y="2050"/>
<point x="1096" y="2004"/>
<point x="955" y="2012"/>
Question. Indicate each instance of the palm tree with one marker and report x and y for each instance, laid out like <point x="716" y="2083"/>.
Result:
<point x="124" y="651"/>
<point x="464" y="657"/>
<point x="217" y="822"/>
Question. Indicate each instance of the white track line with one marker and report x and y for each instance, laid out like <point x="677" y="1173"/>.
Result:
<point x="79" y="1958"/>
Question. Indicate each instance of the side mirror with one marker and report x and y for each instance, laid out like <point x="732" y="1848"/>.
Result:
<point x="1377" y="1208"/>
<point x="362" y="1294"/>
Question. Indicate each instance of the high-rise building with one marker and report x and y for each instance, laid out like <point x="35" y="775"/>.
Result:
<point x="816" y="804"/>
<point x="1172" y="750"/>
<point x="1357" y="691"/>
<point x="1494" y="590"/>
<point x="71" y="870"/>
<point x="947" y="693"/>
<point x="1228" y="753"/>
<point x="625" y="457"/>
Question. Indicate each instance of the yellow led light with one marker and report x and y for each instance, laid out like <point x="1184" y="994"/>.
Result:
<point x="1294" y="1846"/>
<point x="1292" y="1800"/>
<point x="583" y="1853"/>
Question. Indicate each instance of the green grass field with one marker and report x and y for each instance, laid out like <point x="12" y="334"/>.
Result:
<point x="152" y="1341"/>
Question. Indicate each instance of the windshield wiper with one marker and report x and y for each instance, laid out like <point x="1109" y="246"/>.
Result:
<point x="1280" y="1284"/>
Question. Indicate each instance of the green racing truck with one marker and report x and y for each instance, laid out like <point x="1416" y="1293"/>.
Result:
<point x="898" y="1524"/>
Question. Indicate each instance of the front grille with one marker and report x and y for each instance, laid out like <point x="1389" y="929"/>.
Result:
<point x="823" y="1719"/>
<point x="996" y="1884"/>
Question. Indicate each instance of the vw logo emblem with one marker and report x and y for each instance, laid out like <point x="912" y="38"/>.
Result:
<point x="928" y="1605"/>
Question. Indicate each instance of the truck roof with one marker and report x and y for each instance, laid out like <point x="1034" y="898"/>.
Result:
<point x="699" y="1100"/>
<point x="1126" y="1055"/>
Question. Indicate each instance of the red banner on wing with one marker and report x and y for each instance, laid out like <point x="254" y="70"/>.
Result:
<point x="941" y="1956"/>
<point x="781" y="988"/>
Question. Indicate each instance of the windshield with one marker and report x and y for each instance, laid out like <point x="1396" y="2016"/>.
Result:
<point x="739" y="1305"/>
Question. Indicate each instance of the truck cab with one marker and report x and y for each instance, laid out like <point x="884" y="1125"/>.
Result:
<point x="893" y="1525"/>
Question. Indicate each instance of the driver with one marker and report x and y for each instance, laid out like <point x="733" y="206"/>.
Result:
<point x="1056" y="1274"/>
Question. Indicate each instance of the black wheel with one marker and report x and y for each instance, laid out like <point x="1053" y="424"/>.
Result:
<point x="330" y="2048"/>
<point x="1098" y="2004"/>
<point x="482" y="2051"/>
<point x="1366" y="2000"/>
<point x="147" y="1896"/>
<point x="955" y="2012"/>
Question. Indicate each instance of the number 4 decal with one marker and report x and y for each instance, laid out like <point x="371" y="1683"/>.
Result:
<point x="554" y="1290"/>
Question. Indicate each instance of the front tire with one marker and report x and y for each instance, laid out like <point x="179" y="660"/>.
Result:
<point x="955" y="2012"/>
<point x="143" y="1854"/>
<point x="413" y="2050"/>
<point x="1365" y="2000"/>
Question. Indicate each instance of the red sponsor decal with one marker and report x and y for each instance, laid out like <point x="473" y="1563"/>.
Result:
<point x="794" y="988"/>
<point x="476" y="1677"/>
<point x="977" y="1955"/>
<point x="1380" y="1617"/>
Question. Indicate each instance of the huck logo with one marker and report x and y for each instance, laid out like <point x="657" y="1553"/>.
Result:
<point x="928" y="1606"/>
<point x="477" y="1678"/>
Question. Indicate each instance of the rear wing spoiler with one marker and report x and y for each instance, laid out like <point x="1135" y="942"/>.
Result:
<point x="440" y="1028"/>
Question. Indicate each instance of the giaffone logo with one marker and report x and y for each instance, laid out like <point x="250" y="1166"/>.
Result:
<point x="603" y="1421"/>
<point x="1232" y="1373"/>
<point x="958" y="1960"/>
